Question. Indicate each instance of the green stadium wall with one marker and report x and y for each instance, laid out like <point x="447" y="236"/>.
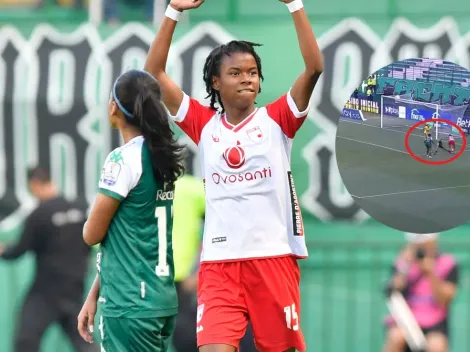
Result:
<point x="56" y="85"/>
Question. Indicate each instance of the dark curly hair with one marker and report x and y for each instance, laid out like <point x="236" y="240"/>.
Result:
<point x="214" y="60"/>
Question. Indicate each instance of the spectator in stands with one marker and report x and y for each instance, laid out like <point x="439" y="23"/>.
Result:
<point x="53" y="232"/>
<point x="428" y="280"/>
<point x="356" y="93"/>
<point x="369" y="93"/>
<point x="374" y="83"/>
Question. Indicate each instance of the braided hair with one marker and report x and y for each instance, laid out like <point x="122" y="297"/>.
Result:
<point x="214" y="60"/>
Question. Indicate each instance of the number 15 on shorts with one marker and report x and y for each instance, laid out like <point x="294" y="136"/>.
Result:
<point x="292" y="319"/>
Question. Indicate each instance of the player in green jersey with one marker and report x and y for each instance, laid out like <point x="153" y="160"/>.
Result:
<point x="132" y="219"/>
<point x="428" y="142"/>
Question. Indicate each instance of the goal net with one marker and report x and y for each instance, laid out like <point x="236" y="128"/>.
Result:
<point x="401" y="112"/>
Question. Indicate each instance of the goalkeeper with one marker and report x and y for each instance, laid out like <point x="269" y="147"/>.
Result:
<point x="441" y="146"/>
<point x="427" y="129"/>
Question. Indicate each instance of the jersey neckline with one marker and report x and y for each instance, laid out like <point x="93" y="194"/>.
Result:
<point x="239" y="126"/>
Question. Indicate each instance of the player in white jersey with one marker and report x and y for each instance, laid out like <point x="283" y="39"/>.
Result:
<point x="451" y="143"/>
<point x="253" y="225"/>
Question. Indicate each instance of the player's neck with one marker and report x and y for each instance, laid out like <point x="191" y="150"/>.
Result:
<point x="234" y="116"/>
<point x="129" y="134"/>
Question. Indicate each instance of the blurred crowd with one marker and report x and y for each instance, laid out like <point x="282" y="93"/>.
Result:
<point x="113" y="10"/>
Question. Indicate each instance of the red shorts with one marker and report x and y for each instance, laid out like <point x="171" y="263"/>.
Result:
<point x="264" y="291"/>
<point x="452" y="143"/>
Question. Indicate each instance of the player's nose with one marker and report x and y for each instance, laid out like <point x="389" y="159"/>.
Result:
<point x="246" y="78"/>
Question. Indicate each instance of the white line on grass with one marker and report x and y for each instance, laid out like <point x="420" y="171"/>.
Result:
<point x="384" y="128"/>
<point x="420" y="190"/>
<point x="387" y="129"/>
<point x="467" y="147"/>
<point x="375" y="145"/>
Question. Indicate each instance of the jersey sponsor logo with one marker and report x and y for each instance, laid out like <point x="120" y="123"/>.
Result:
<point x="219" y="239"/>
<point x="234" y="156"/>
<point x="296" y="212"/>
<point x="255" y="134"/>
<point x="162" y="195"/>
<point x="111" y="171"/>
<point x="242" y="177"/>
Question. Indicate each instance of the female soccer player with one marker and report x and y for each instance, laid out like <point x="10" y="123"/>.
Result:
<point x="132" y="219"/>
<point x="253" y="227"/>
<point x="451" y="143"/>
<point x="428" y="142"/>
<point x="427" y="129"/>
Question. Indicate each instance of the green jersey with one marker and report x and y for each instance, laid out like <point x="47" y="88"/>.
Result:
<point x="428" y="141"/>
<point x="135" y="262"/>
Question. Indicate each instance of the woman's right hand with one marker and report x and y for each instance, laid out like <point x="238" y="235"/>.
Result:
<point x="86" y="319"/>
<point x="182" y="5"/>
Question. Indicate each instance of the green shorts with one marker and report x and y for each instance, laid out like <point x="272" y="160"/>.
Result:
<point x="136" y="335"/>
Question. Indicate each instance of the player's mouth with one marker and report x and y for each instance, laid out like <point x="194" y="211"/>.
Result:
<point x="246" y="90"/>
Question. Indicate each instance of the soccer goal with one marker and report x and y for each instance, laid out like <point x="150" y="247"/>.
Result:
<point x="399" y="112"/>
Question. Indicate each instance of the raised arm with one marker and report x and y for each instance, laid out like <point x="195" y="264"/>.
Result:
<point x="172" y="95"/>
<point x="303" y="87"/>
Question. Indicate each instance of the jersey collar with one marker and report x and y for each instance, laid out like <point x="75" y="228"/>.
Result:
<point x="238" y="127"/>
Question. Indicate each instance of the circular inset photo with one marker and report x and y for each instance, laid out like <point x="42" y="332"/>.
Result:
<point x="401" y="145"/>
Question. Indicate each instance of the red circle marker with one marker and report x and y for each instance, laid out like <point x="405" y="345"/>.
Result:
<point x="424" y="161"/>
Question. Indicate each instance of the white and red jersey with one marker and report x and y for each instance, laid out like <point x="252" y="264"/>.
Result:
<point x="252" y="208"/>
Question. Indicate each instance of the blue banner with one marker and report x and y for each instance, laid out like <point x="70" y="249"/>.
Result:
<point x="352" y="114"/>
<point x="390" y="109"/>
<point x="419" y="114"/>
<point x="463" y="123"/>
<point x="416" y="112"/>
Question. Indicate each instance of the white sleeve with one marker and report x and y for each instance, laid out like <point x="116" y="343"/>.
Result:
<point x="117" y="176"/>
<point x="293" y="106"/>
<point x="182" y="110"/>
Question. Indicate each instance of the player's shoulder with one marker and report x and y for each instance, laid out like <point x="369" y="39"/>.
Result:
<point x="201" y="107"/>
<point x="213" y="118"/>
<point x="127" y="153"/>
<point x="281" y="99"/>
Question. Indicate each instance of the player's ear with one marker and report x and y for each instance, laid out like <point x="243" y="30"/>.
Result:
<point x="113" y="109"/>
<point x="216" y="83"/>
